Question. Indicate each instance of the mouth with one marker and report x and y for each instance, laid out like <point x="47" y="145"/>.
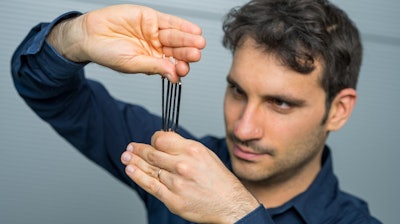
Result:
<point x="247" y="154"/>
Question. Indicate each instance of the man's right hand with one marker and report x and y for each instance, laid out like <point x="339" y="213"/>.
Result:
<point x="130" y="39"/>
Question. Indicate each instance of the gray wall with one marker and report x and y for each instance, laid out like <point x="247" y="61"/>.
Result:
<point x="44" y="180"/>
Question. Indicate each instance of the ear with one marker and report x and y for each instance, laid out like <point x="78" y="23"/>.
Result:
<point x="341" y="109"/>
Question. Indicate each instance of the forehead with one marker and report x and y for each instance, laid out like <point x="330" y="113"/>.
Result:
<point x="254" y="69"/>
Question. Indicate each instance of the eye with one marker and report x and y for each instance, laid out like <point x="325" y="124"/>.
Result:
<point x="236" y="91"/>
<point x="281" y="105"/>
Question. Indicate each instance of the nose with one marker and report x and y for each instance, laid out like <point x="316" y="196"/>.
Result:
<point x="250" y="125"/>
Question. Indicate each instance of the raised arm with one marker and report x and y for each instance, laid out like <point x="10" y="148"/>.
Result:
<point x="130" y="39"/>
<point x="48" y="73"/>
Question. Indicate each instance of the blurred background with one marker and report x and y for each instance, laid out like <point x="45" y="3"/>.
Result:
<point x="44" y="180"/>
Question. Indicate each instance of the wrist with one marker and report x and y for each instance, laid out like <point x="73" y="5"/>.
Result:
<point x="66" y="38"/>
<point x="258" y="215"/>
<point x="244" y="204"/>
<point x="242" y="211"/>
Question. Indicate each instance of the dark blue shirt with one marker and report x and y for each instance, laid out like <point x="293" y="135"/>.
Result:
<point x="100" y="127"/>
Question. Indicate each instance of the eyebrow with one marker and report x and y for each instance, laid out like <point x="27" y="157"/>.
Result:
<point x="285" y="98"/>
<point x="231" y="81"/>
<point x="268" y="97"/>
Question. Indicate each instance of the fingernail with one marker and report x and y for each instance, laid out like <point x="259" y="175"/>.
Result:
<point x="172" y="60"/>
<point x="130" y="169"/>
<point x="126" y="157"/>
<point x="129" y="148"/>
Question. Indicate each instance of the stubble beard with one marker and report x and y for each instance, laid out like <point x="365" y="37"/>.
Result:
<point x="278" y="171"/>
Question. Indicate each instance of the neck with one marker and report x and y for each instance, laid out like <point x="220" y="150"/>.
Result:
<point x="275" y="193"/>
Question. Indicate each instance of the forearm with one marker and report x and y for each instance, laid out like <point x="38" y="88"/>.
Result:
<point x="39" y="72"/>
<point x="56" y="89"/>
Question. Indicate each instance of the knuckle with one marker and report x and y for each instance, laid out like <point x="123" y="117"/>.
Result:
<point x="177" y="184"/>
<point x="152" y="157"/>
<point x="182" y="168"/>
<point x="194" y="150"/>
<point x="154" y="187"/>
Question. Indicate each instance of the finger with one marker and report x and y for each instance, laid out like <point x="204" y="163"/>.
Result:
<point x="149" y="65"/>
<point x="129" y="158"/>
<point x="182" y="68"/>
<point x="161" y="173"/>
<point x="149" y="183"/>
<point x="152" y="65"/>
<point x="150" y="159"/>
<point x="167" y="21"/>
<point x="187" y="54"/>
<point x="169" y="180"/>
<point x="170" y="142"/>
<point x="176" y="38"/>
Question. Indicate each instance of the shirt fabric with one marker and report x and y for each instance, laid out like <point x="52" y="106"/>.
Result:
<point x="100" y="127"/>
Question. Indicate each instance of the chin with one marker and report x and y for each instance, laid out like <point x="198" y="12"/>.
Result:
<point x="248" y="171"/>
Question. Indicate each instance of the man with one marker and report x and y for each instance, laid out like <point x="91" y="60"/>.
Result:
<point x="292" y="81"/>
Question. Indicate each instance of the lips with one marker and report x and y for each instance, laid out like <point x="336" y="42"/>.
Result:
<point x="244" y="153"/>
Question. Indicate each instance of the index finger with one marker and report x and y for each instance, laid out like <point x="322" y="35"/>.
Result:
<point x="167" y="21"/>
<point x="152" y="157"/>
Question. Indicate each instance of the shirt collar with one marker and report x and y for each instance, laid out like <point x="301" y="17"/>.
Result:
<point x="310" y="204"/>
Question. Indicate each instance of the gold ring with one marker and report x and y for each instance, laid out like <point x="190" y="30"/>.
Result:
<point x="158" y="174"/>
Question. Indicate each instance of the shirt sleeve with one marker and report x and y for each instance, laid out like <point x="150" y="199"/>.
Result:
<point x="80" y="110"/>
<point x="259" y="216"/>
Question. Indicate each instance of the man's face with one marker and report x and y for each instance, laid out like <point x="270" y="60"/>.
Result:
<point x="273" y="117"/>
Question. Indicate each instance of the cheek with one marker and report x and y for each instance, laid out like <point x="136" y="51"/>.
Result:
<point x="302" y="122"/>
<point x="281" y="130"/>
<point x="229" y="114"/>
<point x="295" y="133"/>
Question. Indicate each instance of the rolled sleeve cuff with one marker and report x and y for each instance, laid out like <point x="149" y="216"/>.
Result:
<point x="55" y="63"/>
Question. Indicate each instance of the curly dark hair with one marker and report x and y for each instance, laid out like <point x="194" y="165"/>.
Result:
<point x="299" y="32"/>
